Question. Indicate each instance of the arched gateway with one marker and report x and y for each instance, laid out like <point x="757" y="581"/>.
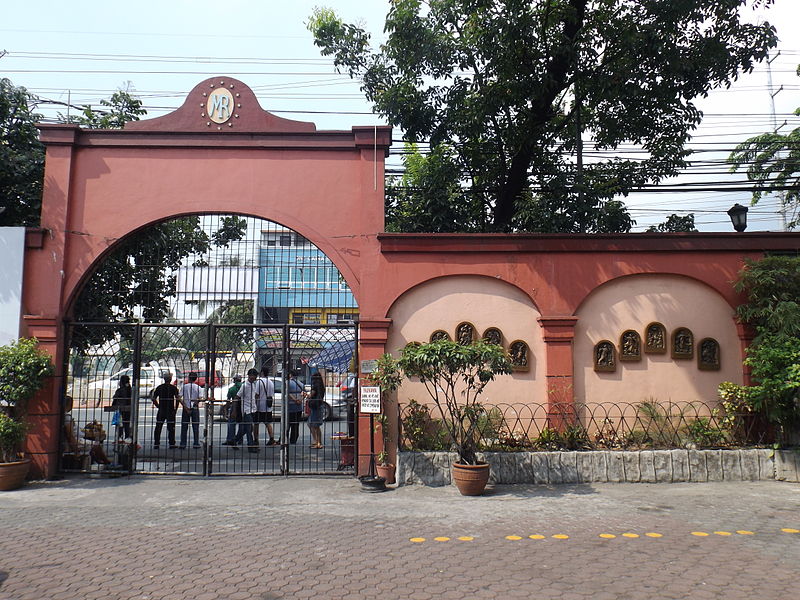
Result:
<point x="584" y="317"/>
<point x="220" y="153"/>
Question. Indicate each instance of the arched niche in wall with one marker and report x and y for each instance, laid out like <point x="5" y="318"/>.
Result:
<point x="605" y="357"/>
<point x="682" y="345"/>
<point x="493" y="335"/>
<point x="439" y="334"/>
<point x="708" y="356"/>
<point x="465" y="333"/>
<point x="655" y="339"/>
<point x="630" y="346"/>
<point x="520" y="355"/>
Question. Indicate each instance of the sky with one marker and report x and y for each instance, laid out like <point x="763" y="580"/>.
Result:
<point x="80" y="52"/>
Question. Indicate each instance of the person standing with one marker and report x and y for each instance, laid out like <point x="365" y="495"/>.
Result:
<point x="165" y="399"/>
<point x="248" y="395"/>
<point x="122" y="402"/>
<point x="315" y="402"/>
<point x="294" y="406"/>
<point x="190" y="399"/>
<point x="264" y="414"/>
<point x="234" y="411"/>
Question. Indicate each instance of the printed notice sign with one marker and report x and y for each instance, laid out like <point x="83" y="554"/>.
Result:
<point x="370" y="399"/>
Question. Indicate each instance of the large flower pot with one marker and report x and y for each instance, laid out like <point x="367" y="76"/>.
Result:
<point x="387" y="472"/>
<point x="471" y="479"/>
<point x="13" y="474"/>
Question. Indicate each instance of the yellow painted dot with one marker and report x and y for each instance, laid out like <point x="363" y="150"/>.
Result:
<point x="607" y="536"/>
<point x="466" y="538"/>
<point x="790" y="530"/>
<point x="442" y="539"/>
<point x="513" y="538"/>
<point x="630" y="535"/>
<point x="654" y="535"/>
<point x="536" y="536"/>
<point x="700" y="533"/>
<point x="744" y="532"/>
<point x="561" y="536"/>
<point x="417" y="540"/>
<point x="722" y="533"/>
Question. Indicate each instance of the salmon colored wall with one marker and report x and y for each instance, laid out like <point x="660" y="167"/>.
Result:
<point x="633" y="303"/>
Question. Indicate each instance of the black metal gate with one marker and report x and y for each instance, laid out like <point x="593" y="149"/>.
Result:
<point x="214" y="444"/>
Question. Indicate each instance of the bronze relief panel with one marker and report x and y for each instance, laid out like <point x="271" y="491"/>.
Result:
<point x="519" y="352"/>
<point x="655" y="339"/>
<point x="605" y="356"/>
<point x="630" y="346"/>
<point x="708" y="356"/>
<point x="682" y="343"/>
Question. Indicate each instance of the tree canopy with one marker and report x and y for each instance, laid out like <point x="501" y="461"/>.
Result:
<point x="21" y="157"/>
<point x="503" y="91"/>
<point x="772" y="161"/>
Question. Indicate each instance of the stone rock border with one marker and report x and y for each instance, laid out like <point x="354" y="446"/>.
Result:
<point x="608" y="466"/>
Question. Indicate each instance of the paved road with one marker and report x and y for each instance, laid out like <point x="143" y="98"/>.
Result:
<point x="274" y="538"/>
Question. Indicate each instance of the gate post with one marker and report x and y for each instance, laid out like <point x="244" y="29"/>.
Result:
<point x="372" y="336"/>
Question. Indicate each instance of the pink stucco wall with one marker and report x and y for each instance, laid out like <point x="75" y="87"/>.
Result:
<point x="633" y="303"/>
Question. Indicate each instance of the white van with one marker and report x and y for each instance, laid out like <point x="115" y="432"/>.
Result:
<point x="150" y="377"/>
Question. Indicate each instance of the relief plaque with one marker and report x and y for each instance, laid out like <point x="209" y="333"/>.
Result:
<point x="708" y="356"/>
<point x="682" y="343"/>
<point x="465" y="333"/>
<point x="519" y="353"/>
<point x="440" y="334"/>
<point x="493" y="336"/>
<point x="605" y="359"/>
<point x="655" y="339"/>
<point x="630" y="345"/>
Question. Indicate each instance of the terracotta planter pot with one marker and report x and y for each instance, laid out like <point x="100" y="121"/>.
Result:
<point x="471" y="479"/>
<point x="387" y="472"/>
<point x="13" y="474"/>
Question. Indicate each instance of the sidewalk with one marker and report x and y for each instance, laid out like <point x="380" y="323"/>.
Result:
<point x="274" y="538"/>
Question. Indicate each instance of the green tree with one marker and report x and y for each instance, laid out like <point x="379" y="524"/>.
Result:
<point x="772" y="161"/>
<point x="505" y="85"/>
<point x="21" y="157"/>
<point x="673" y="224"/>
<point x="121" y="108"/>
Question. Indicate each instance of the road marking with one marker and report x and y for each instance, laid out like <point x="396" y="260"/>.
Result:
<point x="789" y="530"/>
<point x="442" y="539"/>
<point x="466" y="538"/>
<point x="417" y="540"/>
<point x="513" y="538"/>
<point x="744" y="532"/>
<point x="536" y="536"/>
<point x="630" y="535"/>
<point x="722" y="533"/>
<point x="700" y="533"/>
<point x="654" y="535"/>
<point x="607" y="536"/>
<point x="561" y="536"/>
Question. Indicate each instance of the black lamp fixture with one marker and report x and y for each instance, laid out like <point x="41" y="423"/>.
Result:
<point x="738" y="215"/>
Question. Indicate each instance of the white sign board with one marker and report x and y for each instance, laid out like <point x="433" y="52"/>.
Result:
<point x="12" y="251"/>
<point x="369" y="366"/>
<point x="370" y="399"/>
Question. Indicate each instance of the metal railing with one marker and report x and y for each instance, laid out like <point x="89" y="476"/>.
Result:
<point x="601" y="426"/>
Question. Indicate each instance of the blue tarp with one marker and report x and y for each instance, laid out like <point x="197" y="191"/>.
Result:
<point x="335" y="357"/>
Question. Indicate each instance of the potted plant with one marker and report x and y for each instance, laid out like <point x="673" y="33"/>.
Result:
<point x="23" y="370"/>
<point x="384" y="467"/>
<point x="455" y="375"/>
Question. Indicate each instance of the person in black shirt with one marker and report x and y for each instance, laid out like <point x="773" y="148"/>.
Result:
<point x="165" y="399"/>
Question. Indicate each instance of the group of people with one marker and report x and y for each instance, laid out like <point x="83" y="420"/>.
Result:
<point x="251" y="404"/>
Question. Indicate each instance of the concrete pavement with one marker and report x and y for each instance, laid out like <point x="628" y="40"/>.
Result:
<point x="275" y="538"/>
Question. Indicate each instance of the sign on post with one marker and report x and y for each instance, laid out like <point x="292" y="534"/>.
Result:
<point x="370" y="399"/>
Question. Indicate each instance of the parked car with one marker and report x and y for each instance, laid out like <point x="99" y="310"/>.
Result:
<point x="149" y="378"/>
<point x="348" y="387"/>
<point x="334" y="407"/>
<point x="218" y="379"/>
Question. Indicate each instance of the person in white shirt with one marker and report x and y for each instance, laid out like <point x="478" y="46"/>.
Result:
<point x="190" y="399"/>
<point x="249" y="394"/>
<point x="264" y="413"/>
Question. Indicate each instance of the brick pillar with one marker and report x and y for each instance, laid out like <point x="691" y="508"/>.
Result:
<point x="372" y="336"/>
<point x="746" y="334"/>
<point x="558" y="333"/>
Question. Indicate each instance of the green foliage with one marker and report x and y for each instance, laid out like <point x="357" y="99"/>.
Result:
<point x="499" y="90"/>
<point x="21" y="157"/>
<point x="455" y="376"/>
<point x="773" y="164"/>
<point x="12" y="435"/>
<point x="674" y="223"/>
<point x="23" y="371"/>
<point x="121" y="108"/>
<point x="772" y="288"/>
<point x="420" y="430"/>
<point x="703" y="433"/>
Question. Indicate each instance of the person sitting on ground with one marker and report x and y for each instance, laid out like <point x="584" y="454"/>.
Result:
<point x="77" y="446"/>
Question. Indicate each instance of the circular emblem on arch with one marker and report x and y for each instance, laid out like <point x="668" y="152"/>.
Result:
<point x="219" y="106"/>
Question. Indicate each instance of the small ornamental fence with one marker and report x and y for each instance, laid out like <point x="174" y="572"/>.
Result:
<point x="522" y="427"/>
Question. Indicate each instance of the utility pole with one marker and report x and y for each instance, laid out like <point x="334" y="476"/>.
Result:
<point x="781" y="195"/>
